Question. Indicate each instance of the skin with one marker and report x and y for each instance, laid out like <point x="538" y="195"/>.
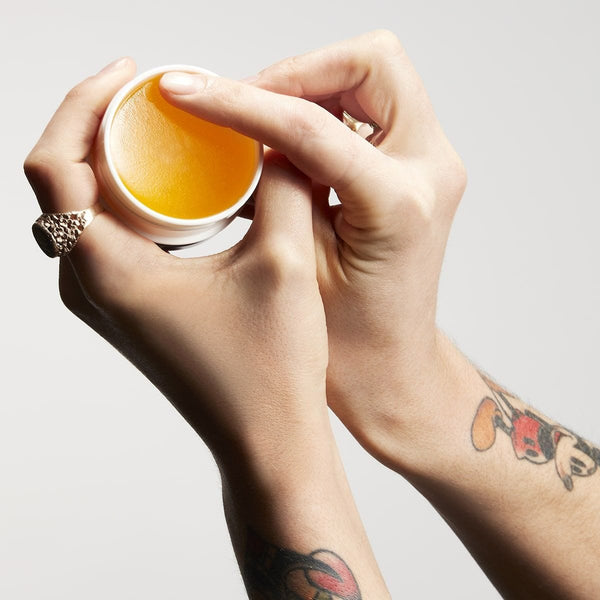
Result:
<point x="406" y="393"/>
<point x="122" y="284"/>
<point x="369" y="269"/>
<point x="237" y="341"/>
<point x="379" y="254"/>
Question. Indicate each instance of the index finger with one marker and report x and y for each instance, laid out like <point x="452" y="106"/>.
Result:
<point x="313" y="139"/>
<point x="373" y="79"/>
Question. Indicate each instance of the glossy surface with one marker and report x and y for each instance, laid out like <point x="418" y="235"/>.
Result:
<point x="174" y="163"/>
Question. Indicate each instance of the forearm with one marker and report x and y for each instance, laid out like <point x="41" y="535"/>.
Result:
<point x="293" y="522"/>
<point x="518" y="489"/>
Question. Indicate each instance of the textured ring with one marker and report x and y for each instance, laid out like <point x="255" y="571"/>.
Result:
<point x="57" y="233"/>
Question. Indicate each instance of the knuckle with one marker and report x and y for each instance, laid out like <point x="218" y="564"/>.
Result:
<point x="385" y="41"/>
<point x="289" y="72"/>
<point x="226" y="99"/>
<point x="458" y="175"/>
<point x="453" y="181"/>
<point x="281" y="263"/>
<point x="433" y="201"/>
<point x="307" y="121"/>
<point x="225" y="96"/>
<point x="418" y="212"/>
<point x="39" y="165"/>
<point x="283" y="68"/>
<point x="414" y="207"/>
<point x="353" y="164"/>
<point x="282" y="179"/>
<point x="288" y="67"/>
<point x="75" y="94"/>
<point x="112" y="285"/>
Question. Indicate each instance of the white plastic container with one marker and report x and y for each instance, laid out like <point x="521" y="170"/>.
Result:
<point x="169" y="232"/>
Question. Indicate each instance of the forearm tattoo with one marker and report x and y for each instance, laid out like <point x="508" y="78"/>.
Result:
<point x="532" y="437"/>
<point x="274" y="573"/>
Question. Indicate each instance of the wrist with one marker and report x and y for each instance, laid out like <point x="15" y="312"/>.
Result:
<point x="304" y="481"/>
<point x="280" y="452"/>
<point x="422" y="426"/>
<point x="297" y="499"/>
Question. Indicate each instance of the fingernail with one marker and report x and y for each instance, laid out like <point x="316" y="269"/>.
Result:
<point x="114" y="65"/>
<point x="183" y="83"/>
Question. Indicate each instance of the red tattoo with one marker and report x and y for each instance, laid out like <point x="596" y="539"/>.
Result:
<point x="533" y="438"/>
<point x="273" y="573"/>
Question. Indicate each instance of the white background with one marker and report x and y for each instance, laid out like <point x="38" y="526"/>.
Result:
<point x="105" y="492"/>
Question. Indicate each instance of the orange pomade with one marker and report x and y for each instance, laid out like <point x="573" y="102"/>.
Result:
<point x="177" y="164"/>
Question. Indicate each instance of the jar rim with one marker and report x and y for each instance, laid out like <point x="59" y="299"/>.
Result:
<point x="127" y="198"/>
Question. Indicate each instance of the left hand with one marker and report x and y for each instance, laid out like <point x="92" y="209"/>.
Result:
<point x="236" y="341"/>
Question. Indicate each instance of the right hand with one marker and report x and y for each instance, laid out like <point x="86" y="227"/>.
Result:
<point x="379" y="254"/>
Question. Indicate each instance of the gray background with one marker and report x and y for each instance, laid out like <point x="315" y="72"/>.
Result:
<point x="104" y="490"/>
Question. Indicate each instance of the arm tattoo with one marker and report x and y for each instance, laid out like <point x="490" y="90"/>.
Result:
<point x="273" y="573"/>
<point x="533" y="438"/>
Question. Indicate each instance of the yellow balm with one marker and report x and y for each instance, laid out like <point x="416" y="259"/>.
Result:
<point x="175" y="163"/>
<point x="172" y="177"/>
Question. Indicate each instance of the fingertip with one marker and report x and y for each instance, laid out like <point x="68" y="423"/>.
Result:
<point x="184" y="84"/>
<point x="177" y="84"/>
<point x="120" y="64"/>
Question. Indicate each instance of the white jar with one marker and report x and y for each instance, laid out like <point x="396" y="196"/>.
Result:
<point x="167" y="231"/>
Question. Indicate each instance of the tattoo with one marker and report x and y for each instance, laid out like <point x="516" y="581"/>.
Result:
<point x="273" y="573"/>
<point x="533" y="438"/>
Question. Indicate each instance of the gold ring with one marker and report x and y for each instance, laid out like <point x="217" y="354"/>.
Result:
<point x="57" y="233"/>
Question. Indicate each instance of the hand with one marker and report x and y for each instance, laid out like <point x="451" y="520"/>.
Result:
<point x="237" y="341"/>
<point x="379" y="254"/>
<point x="405" y="392"/>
